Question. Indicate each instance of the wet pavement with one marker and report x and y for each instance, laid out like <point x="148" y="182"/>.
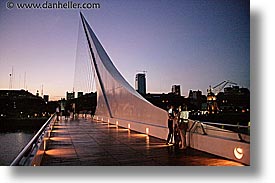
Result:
<point x="85" y="142"/>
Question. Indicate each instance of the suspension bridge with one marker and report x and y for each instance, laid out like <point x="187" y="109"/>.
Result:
<point x="126" y="129"/>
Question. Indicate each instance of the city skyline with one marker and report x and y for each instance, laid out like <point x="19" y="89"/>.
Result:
<point x="193" y="44"/>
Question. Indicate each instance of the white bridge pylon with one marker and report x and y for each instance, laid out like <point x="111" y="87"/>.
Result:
<point x="117" y="101"/>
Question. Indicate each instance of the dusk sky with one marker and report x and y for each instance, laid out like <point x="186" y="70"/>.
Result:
<point x="191" y="43"/>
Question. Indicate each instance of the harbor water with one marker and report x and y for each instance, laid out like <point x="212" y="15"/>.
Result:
<point x="11" y="143"/>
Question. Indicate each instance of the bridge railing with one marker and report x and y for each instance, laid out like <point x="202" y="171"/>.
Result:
<point x="241" y="129"/>
<point x="225" y="140"/>
<point x="25" y="157"/>
<point x="211" y="128"/>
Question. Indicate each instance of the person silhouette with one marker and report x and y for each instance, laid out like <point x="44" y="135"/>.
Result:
<point x="171" y="117"/>
<point x="183" y="125"/>
<point x="57" y="113"/>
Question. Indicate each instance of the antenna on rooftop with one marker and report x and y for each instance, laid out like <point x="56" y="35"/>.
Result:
<point x="42" y="91"/>
<point x="143" y="71"/>
<point x="11" y="78"/>
<point x="25" y="87"/>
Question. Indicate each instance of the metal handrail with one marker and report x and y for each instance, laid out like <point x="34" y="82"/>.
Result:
<point x="218" y="124"/>
<point x="27" y="150"/>
<point x="238" y="127"/>
<point x="224" y="124"/>
<point x="194" y="124"/>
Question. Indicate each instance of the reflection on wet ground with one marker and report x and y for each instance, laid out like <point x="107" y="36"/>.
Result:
<point x="85" y="142"/>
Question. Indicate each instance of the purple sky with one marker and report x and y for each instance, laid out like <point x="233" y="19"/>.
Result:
<point x="191" y="43"/>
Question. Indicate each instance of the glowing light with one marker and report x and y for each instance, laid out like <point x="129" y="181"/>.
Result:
<point x="102" y="119"/>
<point x="112" y="126"/>
<point x="117" y="123"/>
<point x="122" y="129"/>
<point x="59" y="131"/>
<point x="238" y="152"/>
<point x="60" y="152"/>
<point x="139" y="135"/>
<point x="147" y="131"/>
<point x="147" y="140"/>
<point x="108" y="121"/>
<point x="45" y="141"/>
<point x="60" y="139"/>
<point x="129" y="126"/>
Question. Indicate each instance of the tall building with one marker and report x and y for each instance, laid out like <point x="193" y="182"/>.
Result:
<point x="46" y="98"/>
<point x="70" y="96"/>
<point x="20" y="104"/>
<point x="176" y="90"/>
<point x="234" y="99"/>
<point x="140" y="83"/>
<point x="196" y="95"/>
<point x="196" y="100"/>
<point x="79" y="94"/>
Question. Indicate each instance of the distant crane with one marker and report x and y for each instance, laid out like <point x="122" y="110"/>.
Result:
<point x="219" y="87"/>
<point x="212" y="93"/>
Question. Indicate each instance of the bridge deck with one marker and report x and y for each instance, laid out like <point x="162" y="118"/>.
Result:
<point x="85" y="142"/>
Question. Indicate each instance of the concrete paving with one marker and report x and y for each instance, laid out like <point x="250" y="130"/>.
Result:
<point x="85" y="142"/>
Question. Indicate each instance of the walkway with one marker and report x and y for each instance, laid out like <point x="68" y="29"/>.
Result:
<point x="85" y="142"/>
